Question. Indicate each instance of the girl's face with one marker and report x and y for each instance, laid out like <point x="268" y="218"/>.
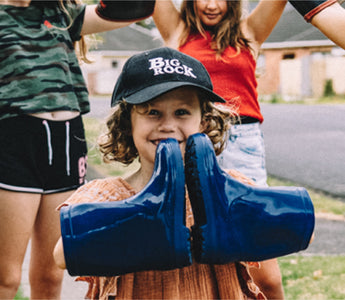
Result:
<point x="176" y="114"/>
<point x="211" y="12"/>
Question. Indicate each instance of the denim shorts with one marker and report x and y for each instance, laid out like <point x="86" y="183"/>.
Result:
<point x="42" y="156"/>
<point x="245" y="152"/>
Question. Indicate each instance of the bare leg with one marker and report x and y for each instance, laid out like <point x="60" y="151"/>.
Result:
<point x="45" y="276"/>
<point x="268" y="279"/>
<point x="17" y="216"/>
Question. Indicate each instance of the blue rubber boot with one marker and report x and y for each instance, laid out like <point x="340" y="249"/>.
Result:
<point x="144" y="232"/>
<point x="238" y="222"/>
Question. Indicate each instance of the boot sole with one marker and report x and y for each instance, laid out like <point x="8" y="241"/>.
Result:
<point x="248" y="223"/>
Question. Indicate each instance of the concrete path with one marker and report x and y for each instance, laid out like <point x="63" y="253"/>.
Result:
<point x="329" y="238"/>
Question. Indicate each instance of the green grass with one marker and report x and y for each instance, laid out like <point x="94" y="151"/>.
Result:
<point x="313" y="277"/>
<point x="20" y="295"/>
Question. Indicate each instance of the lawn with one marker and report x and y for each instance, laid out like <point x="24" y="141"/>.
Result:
<point x="313" y="277"/>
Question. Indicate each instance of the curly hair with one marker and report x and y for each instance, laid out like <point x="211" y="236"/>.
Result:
<point x="226" y="33"/>
<point x="117" y="143"/>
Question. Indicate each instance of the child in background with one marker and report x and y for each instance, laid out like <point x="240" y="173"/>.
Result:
<point x="215" y="33"/>
<point x="43" y="148"/>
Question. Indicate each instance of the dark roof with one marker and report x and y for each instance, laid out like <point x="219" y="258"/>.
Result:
<point x="129" y="38"/>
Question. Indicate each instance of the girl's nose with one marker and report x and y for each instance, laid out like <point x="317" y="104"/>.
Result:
<point x="212" y="4"/>
<point x="167" y="124"/>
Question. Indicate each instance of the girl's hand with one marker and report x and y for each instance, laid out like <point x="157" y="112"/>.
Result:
<point x="59" y="256"/>
<point x="22" y="3"/>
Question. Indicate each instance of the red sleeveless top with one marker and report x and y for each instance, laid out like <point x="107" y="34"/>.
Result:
<point x="233" y="76"/>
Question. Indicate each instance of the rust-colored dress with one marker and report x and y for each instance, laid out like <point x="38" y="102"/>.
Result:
<point x="198" y="281"/>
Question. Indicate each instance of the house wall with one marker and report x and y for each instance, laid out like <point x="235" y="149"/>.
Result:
<point x="269" y="80"/>
<point x="268" y="75"/>
<point x="101" y="75"/>
<point x="335" y="69"/>
<point x="300" y="72"/>
<point x="291" y="73"/>
<point x="290" y="77"/>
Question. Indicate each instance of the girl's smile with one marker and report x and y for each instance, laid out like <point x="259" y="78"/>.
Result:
<point x="211" y="12"/>
<point x="176" y="114"/>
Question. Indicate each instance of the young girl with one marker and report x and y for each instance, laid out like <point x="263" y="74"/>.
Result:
<point x="43" y="149"/>
<point x="161" y="94"/>
<point x="214" y="32"/>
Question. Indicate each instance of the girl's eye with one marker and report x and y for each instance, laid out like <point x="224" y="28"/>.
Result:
<point x="181" y="112"/>
<point x="153" y="112"/>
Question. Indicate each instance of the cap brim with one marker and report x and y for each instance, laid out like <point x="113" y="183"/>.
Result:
<point x="156" y="90"/>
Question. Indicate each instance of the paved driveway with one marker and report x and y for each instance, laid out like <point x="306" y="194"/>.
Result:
<point x="306" y="144"/>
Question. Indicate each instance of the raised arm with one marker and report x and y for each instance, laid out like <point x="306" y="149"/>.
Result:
<point x="331" y="22"/>
<point x="263" y="18"/>
<point x="168" y="21"/>
<point x="109" y="14"/>
<point x="261" y="21"/>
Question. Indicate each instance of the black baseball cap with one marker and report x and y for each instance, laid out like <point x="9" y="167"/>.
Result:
<point x="152" y="73"/>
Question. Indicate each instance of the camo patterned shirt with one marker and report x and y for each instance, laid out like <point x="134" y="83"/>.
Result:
<point x="39" y="70"/>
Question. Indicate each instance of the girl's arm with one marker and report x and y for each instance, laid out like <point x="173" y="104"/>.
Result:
<point x="108" y="13"/>
<point x="93" y="23"/>
<point x="331" y="22"/>
<point x="261" y="21"/>
<point x="268" y="279"/>
<point x="168" y="21"/>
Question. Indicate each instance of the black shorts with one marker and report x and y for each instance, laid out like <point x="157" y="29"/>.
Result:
<point x="42" y="156"/>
